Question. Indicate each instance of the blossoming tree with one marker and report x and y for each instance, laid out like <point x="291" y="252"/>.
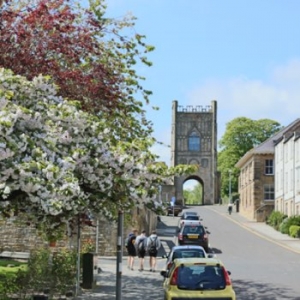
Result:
<point x="92" y="58"/>
<point x="57" y="161"/>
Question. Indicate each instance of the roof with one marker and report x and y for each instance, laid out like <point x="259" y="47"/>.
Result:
<point x="198" y="260"/>
<point x="268" y="146"/>
<point x="187" y="247"/>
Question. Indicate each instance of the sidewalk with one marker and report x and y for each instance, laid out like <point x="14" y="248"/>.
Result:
<point x="262" y="229"/>
<point x="133" y="280"/>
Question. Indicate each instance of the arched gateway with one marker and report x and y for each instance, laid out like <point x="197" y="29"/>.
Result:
<point x="194" y="141"/>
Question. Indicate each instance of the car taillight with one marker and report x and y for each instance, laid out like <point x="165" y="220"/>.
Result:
<point x="174" y="277"/>
<point x="226" y="276"/>
<point x="169" y="265"/>
<point x="205" y="237"/>
<point x="180" y="236"/>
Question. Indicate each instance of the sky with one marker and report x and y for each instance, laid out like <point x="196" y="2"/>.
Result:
<point x="243" y="54"/>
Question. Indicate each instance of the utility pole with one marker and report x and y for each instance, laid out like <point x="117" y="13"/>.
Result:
<point x="119" y="256"/>
<point x="230" y="201"/>
<point x="78" y="257"/>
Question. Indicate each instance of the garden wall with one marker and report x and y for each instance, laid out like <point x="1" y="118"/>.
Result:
<point x="17" y="235"/>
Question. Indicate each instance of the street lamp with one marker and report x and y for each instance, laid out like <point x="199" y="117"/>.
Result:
<point x="230" y="186"/>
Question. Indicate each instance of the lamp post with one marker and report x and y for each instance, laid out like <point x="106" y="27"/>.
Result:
<point x="230" y="186"/>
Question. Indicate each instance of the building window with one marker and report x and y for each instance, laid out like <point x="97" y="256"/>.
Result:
<point x="269" y="192"/>
<point x="194" y="142"/>
<point x="269" y="170"/>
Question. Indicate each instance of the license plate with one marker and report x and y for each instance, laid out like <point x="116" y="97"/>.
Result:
<point x="193" y="236"/>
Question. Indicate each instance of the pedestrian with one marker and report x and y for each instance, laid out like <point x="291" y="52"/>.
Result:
<point x="131" y="249"/>
<point x="153" y="244"/>
<point x="230" y="208"/>
<point x="141" y="244"/>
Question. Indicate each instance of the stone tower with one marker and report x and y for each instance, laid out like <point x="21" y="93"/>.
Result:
<point x="194" y="141"/>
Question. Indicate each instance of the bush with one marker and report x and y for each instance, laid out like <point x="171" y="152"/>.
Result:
<point x="11" y="275"/>
<point x="46" y="272"/>
<point x="285" y="226"/>
<point x="294" y="231"/>
<point x="275" y="219"/>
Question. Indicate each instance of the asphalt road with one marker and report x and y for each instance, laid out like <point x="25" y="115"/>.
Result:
<point x="261" y="269"/>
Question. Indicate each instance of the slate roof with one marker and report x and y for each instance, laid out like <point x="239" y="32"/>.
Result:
<point x="268" y="146"/>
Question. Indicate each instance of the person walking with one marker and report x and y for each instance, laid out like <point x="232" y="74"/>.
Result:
<point x="131" y="249"/>
<point x="230" y="208"/>
<point x="141" y="243"/>
<point x="153" y="244"/>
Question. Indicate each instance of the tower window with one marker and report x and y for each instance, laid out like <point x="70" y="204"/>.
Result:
<point x="194" y="142"/>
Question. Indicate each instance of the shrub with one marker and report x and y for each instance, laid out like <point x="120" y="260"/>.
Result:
<point x="294" y="220"/>
<point x="47" y="272"/>
<point x="11" y="274"/>
<point x="294" y="231"/>
<point x="275" y="219"/>
<point x="64" y="270"/>
<point x="283" y="227"/>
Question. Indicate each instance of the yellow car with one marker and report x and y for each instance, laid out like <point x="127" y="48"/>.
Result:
<point x="197" y="278"/>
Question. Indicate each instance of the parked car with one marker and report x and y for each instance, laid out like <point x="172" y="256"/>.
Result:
<point x="189" y="213"/>
<point x="176" y="210"/>
<point x="197" y="278"/>
<point x="185" y="251"/>
<point x="193" y="234"/>
<point x="189" y="218"/>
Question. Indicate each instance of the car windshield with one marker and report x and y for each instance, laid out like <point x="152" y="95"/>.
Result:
<point x="188" y="253"/>
<point x="200" y="277"/>
<point x="193" y="230"/>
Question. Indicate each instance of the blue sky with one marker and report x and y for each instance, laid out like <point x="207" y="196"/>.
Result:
<point x="243" y="54"/>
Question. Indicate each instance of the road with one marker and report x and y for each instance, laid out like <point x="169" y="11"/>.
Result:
<point x="261" y="269"/>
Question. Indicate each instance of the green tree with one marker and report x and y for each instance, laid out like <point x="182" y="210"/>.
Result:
<point x="241" y="135"/>
<point x="193" y="196"/>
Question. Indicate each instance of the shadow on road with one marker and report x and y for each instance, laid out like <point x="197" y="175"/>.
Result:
<point x="246" y="290"/>
<point x="215" y="250"/>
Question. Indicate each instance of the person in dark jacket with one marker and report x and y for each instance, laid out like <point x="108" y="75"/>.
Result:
<point x="131" y="249"/>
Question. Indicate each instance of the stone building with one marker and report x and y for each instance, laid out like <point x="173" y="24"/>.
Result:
<point x="257" y="177"/>
<point x="194" y="141"/>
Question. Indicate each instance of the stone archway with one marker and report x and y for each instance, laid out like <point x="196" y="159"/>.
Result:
<point x="193" y="195"/>
<point x="194" y="141"/>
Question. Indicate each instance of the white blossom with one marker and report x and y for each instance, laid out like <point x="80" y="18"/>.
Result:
<point x="58" y="155"/>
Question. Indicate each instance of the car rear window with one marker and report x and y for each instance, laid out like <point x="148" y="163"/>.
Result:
<point x="193" y="218"/>
<point x="200" y="277"/>
<point x="193" y="230"/>
<point x="188" y="253"/>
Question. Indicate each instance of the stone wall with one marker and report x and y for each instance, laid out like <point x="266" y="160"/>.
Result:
<point x="17" y="235"/>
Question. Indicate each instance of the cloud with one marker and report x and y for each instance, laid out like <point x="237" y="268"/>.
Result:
<point x="276" y="98"/>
